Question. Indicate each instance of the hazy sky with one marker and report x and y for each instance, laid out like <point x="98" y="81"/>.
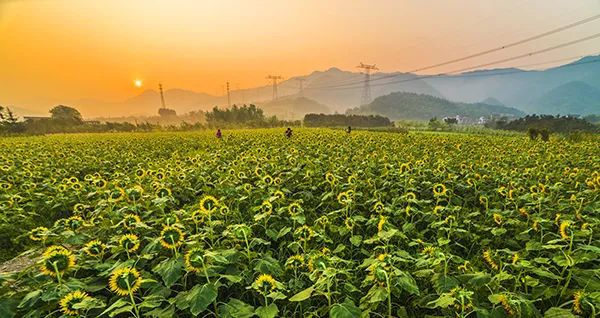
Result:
<point x="69" y="49"/>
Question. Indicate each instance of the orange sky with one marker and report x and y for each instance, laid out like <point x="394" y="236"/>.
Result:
<point x="70" y="49"/>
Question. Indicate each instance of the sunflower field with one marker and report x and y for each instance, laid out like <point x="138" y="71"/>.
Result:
<point x="324" y="224"/>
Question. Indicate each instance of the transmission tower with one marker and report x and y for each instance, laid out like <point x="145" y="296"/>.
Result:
<point x="228" y="96"/>
<point x="162" y="96"/>
<point x="366" y="94"/>
<point x="301" y="80"/>
<point x="274" y="78"/>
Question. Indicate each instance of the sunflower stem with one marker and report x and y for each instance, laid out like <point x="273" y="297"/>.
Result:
<point x="137" y="312"/>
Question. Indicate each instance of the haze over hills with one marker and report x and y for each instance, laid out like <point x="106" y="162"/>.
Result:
<point x="569" y="89"/>
<point x="292" y="107"/>
<point x="411" y="106"/>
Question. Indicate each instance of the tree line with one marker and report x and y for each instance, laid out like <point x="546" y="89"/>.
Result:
<point x="243" y="116"/>
<point x="554" y="124"/>
<point x="339" y="120"/>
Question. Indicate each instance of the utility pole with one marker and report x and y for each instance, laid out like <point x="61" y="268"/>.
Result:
<point x="301" y="80"/>
<point x="366" y="94"/>
<point x="274" y="78"/>
<point x="228" y="96"/>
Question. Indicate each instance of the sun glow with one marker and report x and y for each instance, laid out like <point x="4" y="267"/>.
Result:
<point x="138" y="83"/>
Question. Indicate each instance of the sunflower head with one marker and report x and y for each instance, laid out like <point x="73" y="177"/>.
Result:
<point x="75" y="222"/>
<point x="130" y="242"/>
<point x="294" y="208"/>
<point x="564" y="226"/>
<point x="497" y="218"/>
<point x="209" y="204"/>
<point x="268" y="180"/>
<point x="171" y="237"/>
<point x="344" y="198"/>
<point x="67" y="303"/>
<point x="130" y="221"/>
<point x="439" y="189"/>
<point x="94" y="248"/>
<point x="279" y="195"/>
<point x="266" y="207"/>
<point x="38" y="233"/>
<point x="304" y="233"/>
<point x="378" y="207"/>
<point x="295" y="261"/>
<point x="194" y="260"/>
<point x="265" y="283"/>
<point x="125" y="280"/>
<point x="57" y="259"/>
<point x="329" y="177"/>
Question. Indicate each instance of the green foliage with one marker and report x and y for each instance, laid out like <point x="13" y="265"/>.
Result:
<point x="244" y="116"/>
<point x="324" y="224"/>
<point x="411" y="106"/>
<point x="550" y="123"/>
<point x="339" y="120"/>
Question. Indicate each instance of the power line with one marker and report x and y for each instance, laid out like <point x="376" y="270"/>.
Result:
<point x="529" y="39"/>
<point x="505" y="46"/>
<point x="490" y="73"/>
<point x="480" y="65"/>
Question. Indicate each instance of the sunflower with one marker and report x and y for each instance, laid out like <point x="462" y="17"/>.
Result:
<point x="295" y="261"/>
<point x="304" y="233"/>
<point x="124" y="281"/>
<point x="515" y="258"/>
<point x="140" y="173"/>
<point x="439" y="189"/>
<point x="94" y="248"/>
<point x="329" y="177"/>
<point x="57" y="259"/>
<point x="38" y="233"/>
<point x="265" y="282"/>
<point x="130" y="221"/>
<point x="198" y="216"/>
<point x="224" y="210"/>
<point x="381" y="223"/>
<point x="268" y="180"/>
<point x="209" y="204"/>
<point x="279" y="194"/>
<point x="117" y="194"/>
<point x="79" y="208"/>
<point x="564" y="226"/>
<point x="163" y="192"/>
<point x="498" y="218"/>
<point x="577" y="302"/>
<point x="194" y="260"/>
<point x="410" y="196"/>
<point x="294" y="208"/>
<point x="171" y="237"/>
<point x="67" y="303"/>
<point x="506" y="305"/>
<point x="378" y="207"/>
<point x="344" y="198"/>
<point x="487" y="257"/>
<point x="266" y="207"/>
<point x="130" y="242"/>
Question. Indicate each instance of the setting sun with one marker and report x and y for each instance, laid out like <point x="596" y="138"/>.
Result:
<point x="138" y="83"/>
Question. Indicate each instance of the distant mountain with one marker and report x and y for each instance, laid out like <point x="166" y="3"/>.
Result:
<point x="424" y="107"/>
<point x="341" y="90"/>
<point x="522" y="89"/>
<point x="492" y="101"/>
<point x="571" y="98"/>
<point x="292" y="108"/>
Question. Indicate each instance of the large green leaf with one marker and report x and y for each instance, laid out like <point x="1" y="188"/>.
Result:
<point x="303" y="295"/>
<point x="197" y="299"/>
<point x="236" y="308"/>
<point x="270" y="311"/>
<point x="347" y="309"/>
<point x="556" y="312"/>
<point x="170" y="270"/>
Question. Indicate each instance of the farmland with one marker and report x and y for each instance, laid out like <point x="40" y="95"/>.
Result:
<point x="326" y="223"/>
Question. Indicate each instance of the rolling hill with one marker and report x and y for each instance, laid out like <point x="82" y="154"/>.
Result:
<point x="292" y="108"/>
<point x="413" y="106"/>
<point x="571" y="98"/>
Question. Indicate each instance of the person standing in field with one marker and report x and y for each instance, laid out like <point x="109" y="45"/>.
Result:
<point x="219" y="135"/>
<point x="349" y="130"/>
<point x="288" y="132"/>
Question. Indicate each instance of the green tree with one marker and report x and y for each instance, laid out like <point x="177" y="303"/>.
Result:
<point x="66" y="114"/>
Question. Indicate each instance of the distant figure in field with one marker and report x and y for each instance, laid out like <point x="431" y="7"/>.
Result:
<point x="219" y="135"/>
<point x="288" y="132"/>
<point x="349" y="130"/>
